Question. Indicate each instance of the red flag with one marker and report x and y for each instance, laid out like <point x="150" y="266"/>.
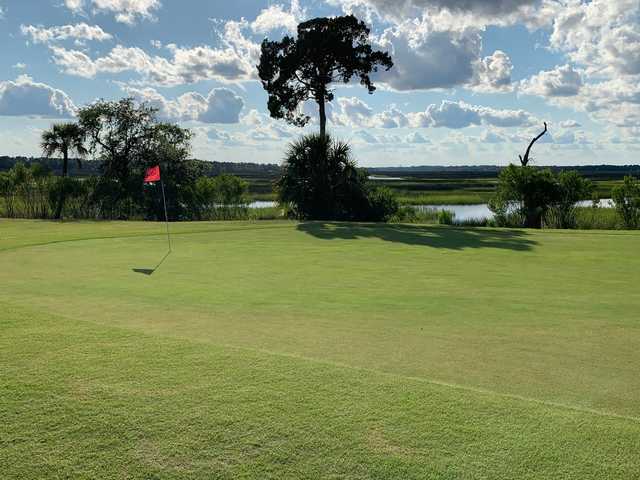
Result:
<point x="152" y="175"/>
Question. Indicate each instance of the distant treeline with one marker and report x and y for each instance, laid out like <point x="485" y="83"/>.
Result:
<point x="594" y="172"/>
<point x="271" y="171"/>
<point x="92" y="167"/>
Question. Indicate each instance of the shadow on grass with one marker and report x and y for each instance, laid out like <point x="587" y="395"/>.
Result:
<point x="150" y="271"/>
<point x="454" y="238"/>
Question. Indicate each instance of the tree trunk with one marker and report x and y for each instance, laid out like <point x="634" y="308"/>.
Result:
<point x="65" y="166"/>
<point x="323" y="116"/>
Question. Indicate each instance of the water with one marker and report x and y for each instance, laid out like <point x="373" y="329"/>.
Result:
<point x="262" y="204"/>
<point x="462" y="212"/>
<point x="481" y="211"/>
<point x="378" y="177"/>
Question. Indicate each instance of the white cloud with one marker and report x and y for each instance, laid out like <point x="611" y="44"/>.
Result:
<point x="234" y="61"/>
<point x="223" y="106"/>
<point x="354" y="113"/>
<point x="457" y="14"/>
<point x="19" y="66"/>
<point x="570" y="124"/>
<point x="351" y="111"/>
<point x="124" y="11"/>
<point x="416" y="137"/>
<point x="26" y="97"/>
<point x="602" y="35"/>
<point x="493" y="73"/>
<point x="220" y="106"/>
<point x="426" y="58"/>
<point x="275" y="17"/>
<point x="562" y="81"/>
<point x="79" y="32"/>
<point x="461" y="115"/>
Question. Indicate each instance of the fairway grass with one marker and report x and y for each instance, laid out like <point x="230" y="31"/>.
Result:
<point x="283" y="350"/>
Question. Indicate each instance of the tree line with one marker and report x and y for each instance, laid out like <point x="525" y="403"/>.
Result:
<point x="125" y="138"/>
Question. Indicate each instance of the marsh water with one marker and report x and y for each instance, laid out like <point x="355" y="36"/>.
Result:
<point x="462" y="212"/>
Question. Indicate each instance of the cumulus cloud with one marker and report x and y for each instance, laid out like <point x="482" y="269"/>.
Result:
<point x="602" y="35"/>
<point x="354" y="113"/>
<point x="493" y="73"/>
<point x="570" y="124"/>
<point x="428" y="57"/>
<point x="276" y="17"/>
<point x="79" y="32"/>
<point x="416" y="137"/>
<point x="234" y="61"/>
<point x="220" y="106"/>
<point x="124" y="11"/>
<point x="26" y="97"/>
<point x="562" y="81"/>
<point x="461" y="115"/>
<point x="425" y="58"/>
<point x="457" y="14"/>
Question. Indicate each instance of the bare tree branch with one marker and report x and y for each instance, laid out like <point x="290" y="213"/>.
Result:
<point x="525" y="161"/>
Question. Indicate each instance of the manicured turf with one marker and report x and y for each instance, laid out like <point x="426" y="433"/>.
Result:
<point x="281" y="350"/>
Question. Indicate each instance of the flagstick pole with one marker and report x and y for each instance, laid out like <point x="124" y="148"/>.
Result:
<point x="166" y="217"/>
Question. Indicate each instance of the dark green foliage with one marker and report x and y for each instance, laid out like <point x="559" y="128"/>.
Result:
<point x="528" y="196"/>
<point x="223" y="197"/>
<point x="532" y="190"/>
<point x="627" y="200"/>
<point x="321" y="181"/>
<point x="326" y="50"/>
<point x="63" y="139"/>
<point x="128" y="138"/>
<point x="446" y="217"/>
<point x="572" y="188"/>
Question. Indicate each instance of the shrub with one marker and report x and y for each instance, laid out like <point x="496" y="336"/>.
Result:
<point x="383" y="204"/>
<point x="446" y="217"/>
<point x="589" y="218"/>
<point x="572" y="188"/>
<point x="409" y="214"/>
<point x="627" y="200"/>
<point x="224" y="197"/>
<point x="321" y="181"/>
<point x="533" y="196"/>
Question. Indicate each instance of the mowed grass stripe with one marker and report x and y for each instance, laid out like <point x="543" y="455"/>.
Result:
<point x="526" y="314"/>
<point x="87" y="401"/>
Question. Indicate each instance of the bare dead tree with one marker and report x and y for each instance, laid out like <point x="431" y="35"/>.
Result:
<point x="525" y="161"/>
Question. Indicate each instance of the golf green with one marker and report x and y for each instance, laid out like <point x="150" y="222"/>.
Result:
<point x="316" y="350"/>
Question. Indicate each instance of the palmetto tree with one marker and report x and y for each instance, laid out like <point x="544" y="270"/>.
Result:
<point x="63" y="139"/>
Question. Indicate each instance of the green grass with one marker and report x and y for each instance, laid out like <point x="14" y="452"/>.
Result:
<point x="282" y="350"/>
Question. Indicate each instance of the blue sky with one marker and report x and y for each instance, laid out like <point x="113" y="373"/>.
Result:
<point x="473" y="79"/>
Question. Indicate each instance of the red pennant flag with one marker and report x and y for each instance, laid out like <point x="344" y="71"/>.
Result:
<point x="152" y="175"/>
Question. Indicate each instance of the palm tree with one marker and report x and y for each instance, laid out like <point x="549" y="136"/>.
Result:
<point x="63" y="138"/>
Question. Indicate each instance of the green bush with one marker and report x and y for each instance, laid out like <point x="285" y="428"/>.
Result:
<point x="589" y="218"/>
<point x="321" y="181"/>
<point x="409" y="214"/>
<point x="530" y="197"/>
<point x="627" y="200"/>
<point x="446" y="217"/>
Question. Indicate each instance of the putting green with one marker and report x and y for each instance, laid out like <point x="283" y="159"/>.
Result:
<point x="283" y="350"/>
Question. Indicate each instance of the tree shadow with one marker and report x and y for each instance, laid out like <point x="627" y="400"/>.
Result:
<point x="151" y="271"/>
<point x="453" y="238"/>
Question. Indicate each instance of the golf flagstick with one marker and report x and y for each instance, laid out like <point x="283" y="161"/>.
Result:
<point x="152" y="175"/>
<point x="166" y="217"/>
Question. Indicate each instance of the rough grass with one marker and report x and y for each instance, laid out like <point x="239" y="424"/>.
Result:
<point x="282" y="350"/>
